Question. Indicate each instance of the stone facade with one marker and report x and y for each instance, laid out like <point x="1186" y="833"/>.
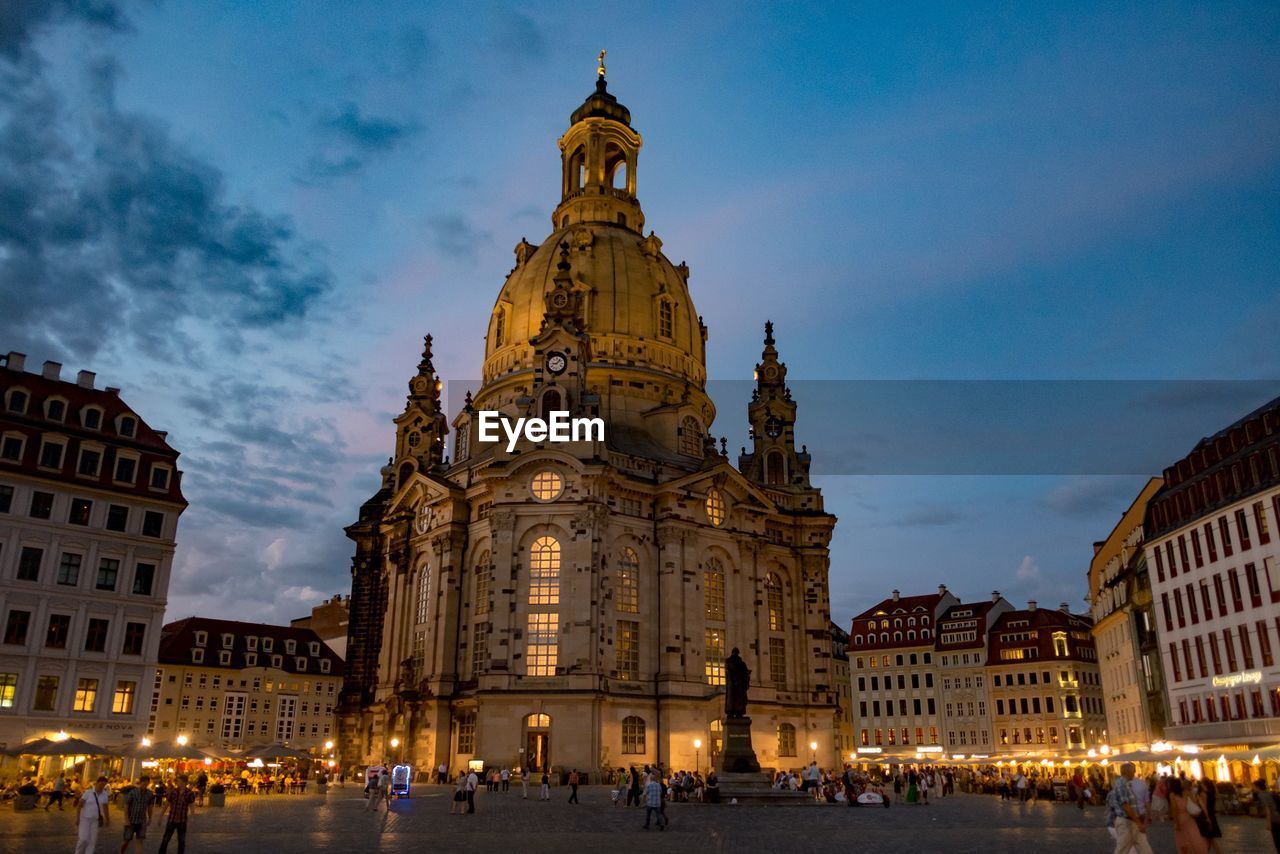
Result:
<point x="570" y="605"/>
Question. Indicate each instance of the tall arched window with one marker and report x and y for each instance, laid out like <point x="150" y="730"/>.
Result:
<point x="577" y="169"/>
<point x="424" y="594"/>
<point x="713" y="590"/>
<point x="774" y="469"/>
<point x="633" y="734"/>
<point x="544" y="572"/>
<point x="786" y="740"/>
<point x="773" y="598"/>
<point x="690" y="436"/>
<point x="666" y="318"/>
<point x="484" y="582"/>
<point x="550" y="403"/>
<point x="499" y="328"/>
<point x="627" y="600"/>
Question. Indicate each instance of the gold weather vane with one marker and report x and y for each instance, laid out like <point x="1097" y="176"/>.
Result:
<point x="600" y="68"/>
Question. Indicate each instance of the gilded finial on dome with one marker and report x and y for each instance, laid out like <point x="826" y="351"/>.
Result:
<point x="600" y="67"/>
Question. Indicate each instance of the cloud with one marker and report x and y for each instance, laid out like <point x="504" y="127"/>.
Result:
<point x="117" y="233"/>
<point x="1104" y="497"/>
<point x="21" y="20"/>
<point x="930" y="516"/>
<point x="455" y="236"/>
<point x="348" y="138"/>
<point x="1028" y="570"/>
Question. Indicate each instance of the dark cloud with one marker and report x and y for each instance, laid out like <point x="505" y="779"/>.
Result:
<point x="1104" y="497"/>
<point x="347" y="139"/>
<point x="111" y="231"/>
<point x="22" y="20"/>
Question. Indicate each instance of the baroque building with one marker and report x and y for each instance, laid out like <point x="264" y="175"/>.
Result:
<point x="1124" y="627"/>
<point x="1208" y="533"/>
<point x="961" y="651"/>
<point x="571" y="604"/>
<point x="90" y="496"/>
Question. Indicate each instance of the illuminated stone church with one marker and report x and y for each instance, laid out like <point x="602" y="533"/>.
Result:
<point x="570" y="605"/>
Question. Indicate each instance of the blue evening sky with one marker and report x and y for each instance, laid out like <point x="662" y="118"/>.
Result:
<point x="247" y="214"/>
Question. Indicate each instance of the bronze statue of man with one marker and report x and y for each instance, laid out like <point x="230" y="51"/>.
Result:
<point x="738" y="680"/>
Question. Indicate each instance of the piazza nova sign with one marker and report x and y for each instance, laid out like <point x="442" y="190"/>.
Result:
<point x="1232" y="680"/>
<point x="559" y="427"/>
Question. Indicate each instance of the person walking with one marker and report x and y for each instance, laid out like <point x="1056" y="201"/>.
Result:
<point x="459" y="804"/>
<point x="93" y="812"/>
<point x="1184" y="812"/>
<point x="136" y="803"/>
<point x="524" y="783"/>
<point x="473" y="783"/>
<point x="573" y="786"/>
<point x="506" y="779"/>
<point x="1129" y="825"/>
<point x="653" y="803"/>
<point x="1211" y="813"/>
<point x="180" y="799"/>
<point x="546" y="787"/>
<point x="59" y="791"/>
<point x="633" y="787"/>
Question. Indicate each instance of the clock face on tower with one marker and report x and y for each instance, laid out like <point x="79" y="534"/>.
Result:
<point x="773" y="428"/>
<point x="556" y="363"/>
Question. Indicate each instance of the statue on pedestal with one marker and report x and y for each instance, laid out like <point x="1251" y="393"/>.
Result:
<point x="738" y="680"/>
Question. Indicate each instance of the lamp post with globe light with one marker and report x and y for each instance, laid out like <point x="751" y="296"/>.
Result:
<point x="697" y="746"/>
<point x="813" y="748"/>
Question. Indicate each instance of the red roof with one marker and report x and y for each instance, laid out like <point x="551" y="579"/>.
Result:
<point x="910" y="621"/>
<point x="964" y="613"/>
<point x="178" y="640"/>
<point x="151" y="445"/>
<point x="1014" y="630"/>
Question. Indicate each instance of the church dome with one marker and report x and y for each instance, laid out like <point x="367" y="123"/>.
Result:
<point x="636" y="306"/>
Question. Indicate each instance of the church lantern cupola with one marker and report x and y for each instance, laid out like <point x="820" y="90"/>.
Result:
<point x="421" y="428"/>
<point x="598" y="157"/>
<point x="774" y="460"/>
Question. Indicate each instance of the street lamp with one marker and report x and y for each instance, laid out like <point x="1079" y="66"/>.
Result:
<point x="182" y="741"/>
<point x="328" y="745"/>
<point x="697" y="745"/>
<point x="813" y="746"/>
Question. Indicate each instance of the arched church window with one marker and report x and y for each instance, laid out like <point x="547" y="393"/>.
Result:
<point x="578" y="169"/>
<point x="774" y="469"/>
<point x="666" y="318"/>
<point x="544" y="571"/>
<point x="615" y="165"/>
<point x="773" y="598"/>
<point x="424" y="594"/>
<point x="715" y="507"/>
<point x="461" y="443"/>
<point x="633" y="734"/>
<point x="786" y="740"/>
<point x="628" y="597"/>
<point x="691" y="436"/>
<point x="484" y="582"/>
<point x="713" y="590"/>
<point x="499" y="328"/>
<point x="550" y="403"/>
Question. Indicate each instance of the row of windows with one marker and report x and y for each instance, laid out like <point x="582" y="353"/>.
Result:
<point x="969" y="682"/>
<point x="902" y="682"/>
<point x="1065" y="677"/>
<point x="1183" y="606"/>
<point x="1225" y="657"/>
<point x="1242" y="478"/>
<point x="300" y="662"/>
<point x="918" y="707"/>
<point x="891" y="736"/>
<point x="55" y="409"/>
<point x="898" y="623"/>
<point x="234" y="728"/>
<point x="31" y="564"/>
<point x="1229" y="707"/>
<point x="52" y="456"/>
<point x="980" y="709"/>
<point x="1168" y="558"/>
<point x="80" y="512"/>
<point x="251" y="643"/>
<point x="45" y="698"/>
<point x="882" y="661"/>
<point x="17" y="629"/>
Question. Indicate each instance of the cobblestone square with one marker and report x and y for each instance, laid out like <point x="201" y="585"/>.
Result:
<point x="339" y="821"/>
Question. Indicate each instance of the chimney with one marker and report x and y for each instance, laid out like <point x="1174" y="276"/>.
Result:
<point x="1064" y="608"/>
<point x="15" y="361"/>
<point x="895" y="595"/>
<point x="1031" y="606"/>
<point x="84" y="379"/>
<point x="52" y="370"/>
<point x="995" y="595"/>
<point x="942" y="589"/>
<point x="1097" y="547"/>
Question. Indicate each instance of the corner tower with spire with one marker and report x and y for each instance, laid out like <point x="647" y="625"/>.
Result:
<point x="773" y="459"/>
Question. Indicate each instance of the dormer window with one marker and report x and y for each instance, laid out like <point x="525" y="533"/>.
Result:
<point x="324" y="665"/>
<point x="290" y="645"/>
<point x="250" y="659"/>
<point x="277" y="661"/>
<point x="126" y="468"/>
<point x="266" y="644"/>
<point x="197" y="656"/>
<point x="159" y="477"/>
<point x="51" y="454"/>
<point x="91" y="417"/>
<point x="17" y="401"/>
<point x="314" y="646"/>
<point x="300" y="662"/>
<point x="90" y="462"/>
<point x="227" y="640"/>
<point x="224" y="657"/>
<point x="202" y="638"/>
<point x="128" y="426"/>
<point x="55" y="409"/>
<point x="251" y="641"/>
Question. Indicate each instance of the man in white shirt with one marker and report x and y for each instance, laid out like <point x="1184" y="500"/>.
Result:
<point x="93" y="811"/>
<point x="473" y="783"/>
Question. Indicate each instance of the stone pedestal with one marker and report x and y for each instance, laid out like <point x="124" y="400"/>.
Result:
<point x="739" y="773"/>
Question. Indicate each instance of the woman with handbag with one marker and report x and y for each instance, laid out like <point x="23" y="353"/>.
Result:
<point x="1186" y="812"/>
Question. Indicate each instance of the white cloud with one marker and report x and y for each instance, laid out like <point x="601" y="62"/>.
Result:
<point x="1028" y="570"/>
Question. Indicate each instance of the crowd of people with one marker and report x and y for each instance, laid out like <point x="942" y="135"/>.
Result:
<point x="171" y="803"/>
